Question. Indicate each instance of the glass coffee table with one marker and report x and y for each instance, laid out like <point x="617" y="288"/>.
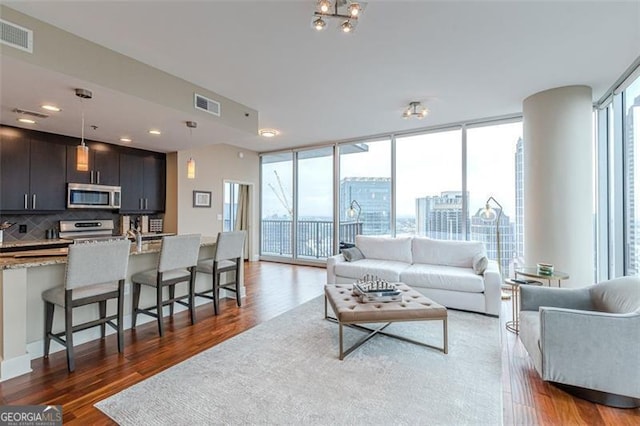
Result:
<point x="532" y="272"/>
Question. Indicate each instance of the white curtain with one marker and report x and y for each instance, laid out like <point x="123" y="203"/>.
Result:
<point x="242" y="215"/>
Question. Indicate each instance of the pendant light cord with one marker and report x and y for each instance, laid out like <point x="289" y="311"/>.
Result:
<point x="82" y="130"/>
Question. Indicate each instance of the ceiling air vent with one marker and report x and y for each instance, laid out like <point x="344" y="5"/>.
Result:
<point x="16" y="36"/>
<point x="31" y="113"/>
<point x="206" y="104"/>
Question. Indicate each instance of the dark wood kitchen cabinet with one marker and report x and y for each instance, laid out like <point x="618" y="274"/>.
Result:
<point x="142" y="179"/>
<point x="32" y="172"/>
<point x="104" y="165"/>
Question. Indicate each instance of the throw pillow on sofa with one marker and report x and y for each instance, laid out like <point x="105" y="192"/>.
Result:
<point x="352" y="254"/>
<point x="480" y="263"/>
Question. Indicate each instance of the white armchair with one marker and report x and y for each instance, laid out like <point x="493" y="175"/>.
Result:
<point x="586" y="340"/>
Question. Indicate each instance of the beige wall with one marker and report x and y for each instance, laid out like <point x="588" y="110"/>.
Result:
<point x="214" y="165"/>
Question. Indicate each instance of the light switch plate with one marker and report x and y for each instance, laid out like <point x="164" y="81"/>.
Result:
<point x="219" y="216"/>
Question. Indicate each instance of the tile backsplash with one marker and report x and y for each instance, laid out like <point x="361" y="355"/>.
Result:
<point x="37" y="224"/>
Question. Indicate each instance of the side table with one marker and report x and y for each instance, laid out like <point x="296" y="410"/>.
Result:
<point x="532" y="272"/>
<point x="514" y="325"/>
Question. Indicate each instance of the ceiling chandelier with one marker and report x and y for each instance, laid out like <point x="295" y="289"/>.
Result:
<point x="415" y="109"/>
<point x="346" y="11"/>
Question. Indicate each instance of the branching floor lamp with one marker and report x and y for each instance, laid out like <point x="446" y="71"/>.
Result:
<point x="489" y="215"/>
<point x="351" y="211"/>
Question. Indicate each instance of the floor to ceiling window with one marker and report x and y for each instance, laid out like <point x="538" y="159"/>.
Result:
<point x="277" y="205"/>
<point x="631" y="102"/>
<point x="495" y="177"/>
<point x="617" y="220"/>
<point x="314" y="229"/>
<point x="365" y="189"/>
<point x="429" y="185"/>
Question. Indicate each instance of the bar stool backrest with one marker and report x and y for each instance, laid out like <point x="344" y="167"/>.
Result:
<point x="230" y="245"/>
<point x="179" y="251"/>
<point x="96" y="263"/>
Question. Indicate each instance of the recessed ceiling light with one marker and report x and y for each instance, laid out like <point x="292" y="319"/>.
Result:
<point x="268" y="133"/>
<point x="155" y="132"/>
<point x="51" y="108"/>
<point x="125" y="139"/>
<point x="26" y="120"/>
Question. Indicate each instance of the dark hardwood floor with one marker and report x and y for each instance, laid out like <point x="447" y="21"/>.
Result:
<point x="272" y="289"/>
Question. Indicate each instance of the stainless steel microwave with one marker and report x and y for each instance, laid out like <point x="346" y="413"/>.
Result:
<point x="87" y="196"/>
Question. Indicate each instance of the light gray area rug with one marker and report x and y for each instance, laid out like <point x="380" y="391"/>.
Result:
<point x="286" y="371"/>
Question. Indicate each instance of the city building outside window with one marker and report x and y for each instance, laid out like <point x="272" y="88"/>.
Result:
<point x="365" y="190"/>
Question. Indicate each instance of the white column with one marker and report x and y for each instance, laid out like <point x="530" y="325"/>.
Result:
<point x="558" y="182"/>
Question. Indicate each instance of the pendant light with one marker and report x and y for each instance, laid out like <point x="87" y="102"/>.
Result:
<point x="82" y="150"/>
<point x="191" y="164"/>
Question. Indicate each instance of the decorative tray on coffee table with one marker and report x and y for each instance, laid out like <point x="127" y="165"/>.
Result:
<point x="373" y="289"/>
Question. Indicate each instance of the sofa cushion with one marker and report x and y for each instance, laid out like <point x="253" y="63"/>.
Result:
<point x="385" y="269"/>
<point x="445" y="252"/>
<point x="443" y="277"/>
<point x="385" y="248"/>
<point x="352" y="254"/>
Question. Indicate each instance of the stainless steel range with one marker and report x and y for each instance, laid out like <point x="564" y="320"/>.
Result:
<point x="85" y="230"/>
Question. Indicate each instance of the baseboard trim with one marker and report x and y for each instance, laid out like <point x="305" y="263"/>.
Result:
<point x="15" y="367"/>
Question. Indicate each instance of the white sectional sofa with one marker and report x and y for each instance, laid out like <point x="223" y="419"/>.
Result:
<point x="440" y="269"/>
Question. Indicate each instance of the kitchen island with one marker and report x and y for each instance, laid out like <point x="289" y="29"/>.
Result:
<point x="23" y="279"/>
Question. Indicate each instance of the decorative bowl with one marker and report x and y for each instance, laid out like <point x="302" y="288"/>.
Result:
<point x="545" y="268"/>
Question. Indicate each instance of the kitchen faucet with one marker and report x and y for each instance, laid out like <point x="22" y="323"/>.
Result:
<point x="137" y="235"/>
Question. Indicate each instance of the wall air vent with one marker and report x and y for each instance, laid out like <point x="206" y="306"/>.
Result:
<point x="206" y="104"/>
<point x="16" y="36"/>
<point x="31" y="113"/>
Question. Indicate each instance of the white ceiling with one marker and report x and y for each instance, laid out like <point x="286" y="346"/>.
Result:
<point x="463" y="60"/>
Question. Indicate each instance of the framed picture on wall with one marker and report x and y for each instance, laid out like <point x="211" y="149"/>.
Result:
<point x="201" y="198"/>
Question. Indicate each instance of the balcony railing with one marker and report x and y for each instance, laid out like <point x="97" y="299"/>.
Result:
<point x="314" y="237"/>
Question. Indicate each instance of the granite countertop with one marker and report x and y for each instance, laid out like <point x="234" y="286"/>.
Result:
<point x="18" y="245"/>
<point x="33" y="243"/>
<point x="9" y="261"/>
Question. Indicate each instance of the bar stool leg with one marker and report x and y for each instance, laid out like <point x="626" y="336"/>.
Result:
<point x="172" y="295"/>
<point x="192" y="295"/>
<point x="216" y="291"/>
<point x="238" y="301"/>
<point x="120" y="316"/>
<point x="48" y="325"/>
<point x="159" y="308"/>
<point x="68" y="327"/>
<point x="135" y="303"/>
<point x="102" y="307"/>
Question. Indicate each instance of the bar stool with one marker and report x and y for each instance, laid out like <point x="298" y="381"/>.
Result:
<point x="95" y="273"/>
<point x="228" y="254"/>
<point x="177" y="264"/>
